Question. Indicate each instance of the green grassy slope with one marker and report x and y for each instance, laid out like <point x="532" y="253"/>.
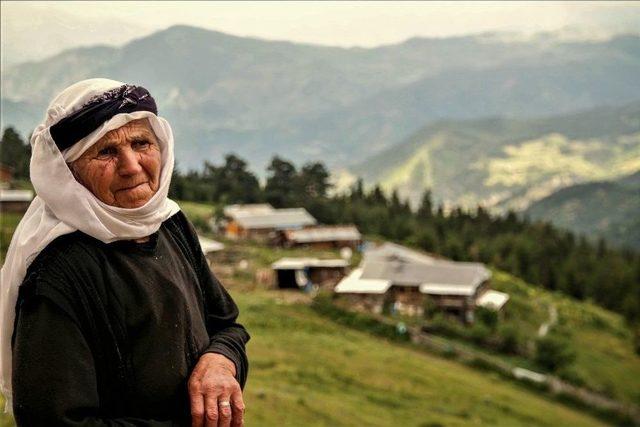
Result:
<point x="8" y="223"/>
<point x="307" y="370"/>
<point x="605" y="360"/>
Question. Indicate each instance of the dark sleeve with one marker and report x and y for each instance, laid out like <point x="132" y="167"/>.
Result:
<point x="227" y="337"/>
<point x="54" y="377"/>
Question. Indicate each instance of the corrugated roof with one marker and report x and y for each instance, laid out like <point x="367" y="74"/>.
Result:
<point x="299" y="263"/>
<point x="324" y="234"/>
<point x="278" y="218"/>
<point x="354" y="284"/>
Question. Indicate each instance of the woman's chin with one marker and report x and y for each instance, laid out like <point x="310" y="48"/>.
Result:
<point x="136" y="199"/>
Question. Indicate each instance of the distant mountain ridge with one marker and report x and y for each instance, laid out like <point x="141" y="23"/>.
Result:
<point x="505" y="163"/>
<point x="608" y="209"/>
<point x="254" y="97"/>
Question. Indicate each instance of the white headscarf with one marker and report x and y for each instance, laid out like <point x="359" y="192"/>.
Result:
<point x="62" y="205"/>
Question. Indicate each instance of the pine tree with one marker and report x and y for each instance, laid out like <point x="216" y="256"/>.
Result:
<point x="15" y="153"/>
<point x="280" y="189"/>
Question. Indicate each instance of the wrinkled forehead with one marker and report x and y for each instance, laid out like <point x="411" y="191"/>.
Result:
<point x="133" y="129"/>
<point x="161" y="136"/>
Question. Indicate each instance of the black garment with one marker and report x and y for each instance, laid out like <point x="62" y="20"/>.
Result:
<point x="108" y="334"/>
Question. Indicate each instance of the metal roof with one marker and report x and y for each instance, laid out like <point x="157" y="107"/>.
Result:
<point x="255" y="208"/>
<point x="324" y="233"/>
<point x="416" y="274"/>
<point x="402" y="266"/>
<point x="390" y="251"/>
<point x="354" y="284"/>
<point x="300" y="263"/>
<point x="277" y="218"/>
<point x="493" y="299"/>
<point x="209" y="245"/>
<point x="447" y="289"/>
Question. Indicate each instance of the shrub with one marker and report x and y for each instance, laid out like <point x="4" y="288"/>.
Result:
<point x="324" y="305"/>
<point x="200" y="223"/>
<point x="487" y="317"/>
<point x="479" y="333"/>
<point x="509" y="339"/>
<point x="440" y="324"/>
<point x="636" y="339"/>
<point x="553" y="352"/>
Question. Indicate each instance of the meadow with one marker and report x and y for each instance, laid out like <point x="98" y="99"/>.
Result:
<point x="306" y="369"/>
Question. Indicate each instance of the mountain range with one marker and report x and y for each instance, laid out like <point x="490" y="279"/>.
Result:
<point x="254" y="97"/>
<point x="504" y="122"/>
<point x="505" y="163"/>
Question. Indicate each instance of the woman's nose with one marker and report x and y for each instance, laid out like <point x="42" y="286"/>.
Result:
<point x="129" y="162"/>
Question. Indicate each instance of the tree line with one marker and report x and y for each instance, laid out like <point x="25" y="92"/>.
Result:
<point x="538" y="252"/>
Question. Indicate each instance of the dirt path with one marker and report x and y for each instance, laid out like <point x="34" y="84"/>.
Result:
<point x="553" y="319"/>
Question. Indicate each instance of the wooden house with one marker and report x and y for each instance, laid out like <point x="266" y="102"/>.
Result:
<point x="321" y="237"/>
<point x="404" y="279"/>
<point x="262" y="221"/>
<point x="17" y="201"/>
<point x="210" y="248"/>
<point x="6" y="175"/>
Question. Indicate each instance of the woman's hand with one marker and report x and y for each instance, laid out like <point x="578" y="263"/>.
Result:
<point x="215" y="395"/>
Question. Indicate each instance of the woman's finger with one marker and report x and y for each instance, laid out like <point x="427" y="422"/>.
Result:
<point x="211" y="414"/>
<point x="237" y="408"/>
<point x="197" y="409"/>
<point x="224" y="410"/>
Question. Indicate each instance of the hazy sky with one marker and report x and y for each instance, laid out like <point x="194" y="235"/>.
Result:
<point x="31" y="30"/>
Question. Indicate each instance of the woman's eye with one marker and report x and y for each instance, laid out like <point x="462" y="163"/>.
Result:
<point x="107" y="152"/>
<point x="142" y="143"/>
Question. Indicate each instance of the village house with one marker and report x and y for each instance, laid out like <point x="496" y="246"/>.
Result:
<point x="302" y="273"/>
<point x="6" y="175"/>
<point x="404" y="280"/>
<point x="262" y="221"/>
<point x="322" y="237"/>
<point x="209" y="248"/>
<point x="17" y="201"/>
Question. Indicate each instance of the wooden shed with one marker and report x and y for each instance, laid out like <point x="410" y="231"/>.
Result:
<point x="299" y="273"/>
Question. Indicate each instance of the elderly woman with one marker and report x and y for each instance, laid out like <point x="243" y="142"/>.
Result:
<point x="110" y="314"/>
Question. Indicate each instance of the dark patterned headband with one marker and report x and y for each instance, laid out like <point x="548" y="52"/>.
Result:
<point x="99" y="109"/>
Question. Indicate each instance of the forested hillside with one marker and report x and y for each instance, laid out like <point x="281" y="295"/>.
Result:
<point x="505" y="163"/>
<point x="607" y="209"/>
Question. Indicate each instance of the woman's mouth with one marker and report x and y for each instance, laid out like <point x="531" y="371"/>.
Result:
<point x="132" y="188"/>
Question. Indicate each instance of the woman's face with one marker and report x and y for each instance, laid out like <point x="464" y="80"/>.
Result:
<point x="123" y="168"/>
